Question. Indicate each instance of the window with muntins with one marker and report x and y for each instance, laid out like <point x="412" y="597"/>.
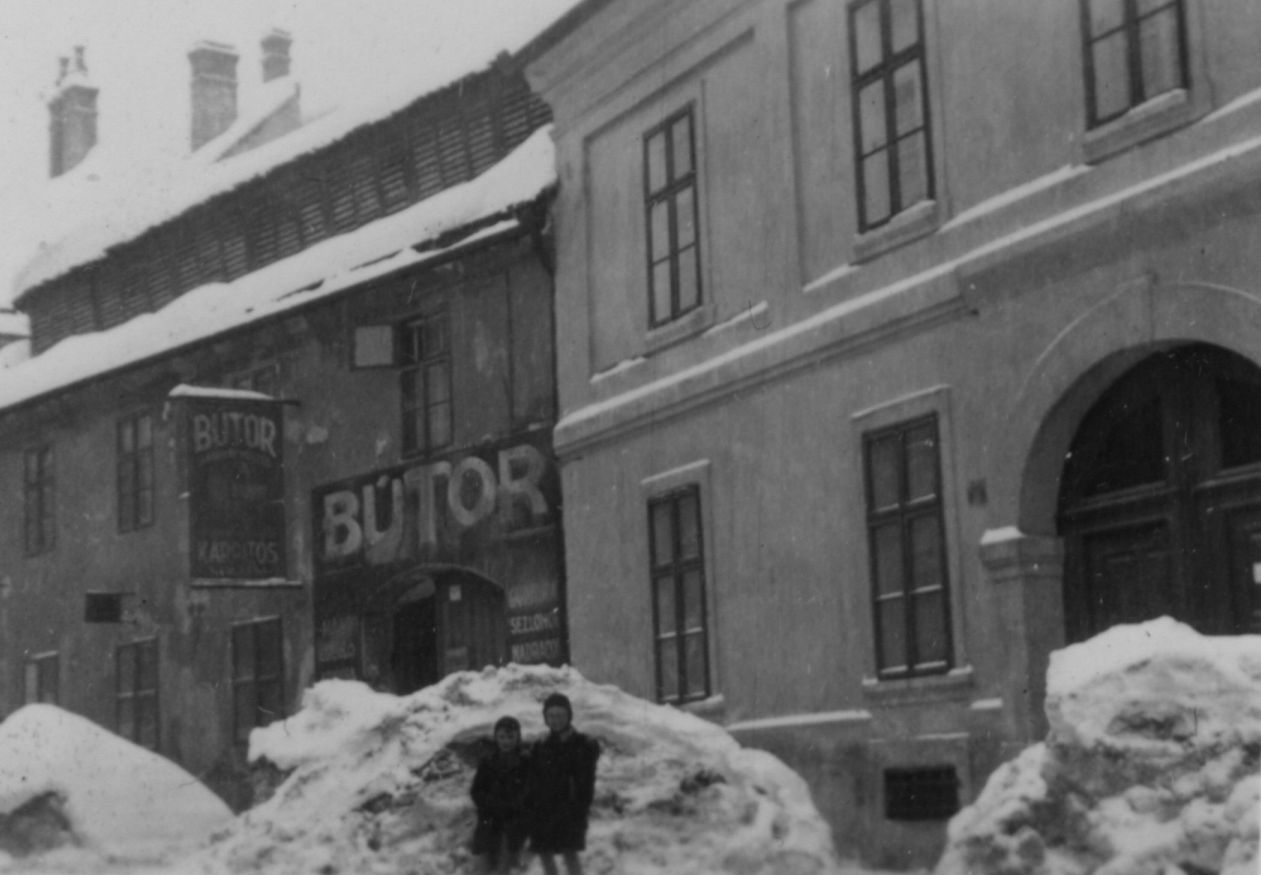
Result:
<point x="1134" y="50"/>
<point x="906" y="541"/>
<point x="42" y="679"/>
<point x="425" y="383"/>
<point x="674" y="278"/>
<point x="680" y="622"/>
<point x="257" y="675"/>
<point x="38" y="500"/>
<point x="136" y="692"/>
<point x="135" y="472"/>
<point x="889" y="83"/>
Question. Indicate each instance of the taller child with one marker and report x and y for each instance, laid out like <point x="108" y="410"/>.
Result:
<point x="564" y="785"/>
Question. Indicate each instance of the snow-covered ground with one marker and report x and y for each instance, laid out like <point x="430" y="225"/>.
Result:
<point x="1151" y="765"/>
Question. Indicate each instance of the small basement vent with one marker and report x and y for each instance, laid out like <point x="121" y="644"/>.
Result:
<point x="103" y="607"/>
<point x="921" y="794"/>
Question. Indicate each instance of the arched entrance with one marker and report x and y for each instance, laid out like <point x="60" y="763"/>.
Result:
<point x="1160" y="498"/>
<point x="427" y="623"/>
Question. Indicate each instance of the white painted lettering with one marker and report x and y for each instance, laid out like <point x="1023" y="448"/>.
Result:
<point x="343" y="536"/>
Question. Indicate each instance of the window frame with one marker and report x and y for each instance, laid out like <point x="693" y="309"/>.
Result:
<point x="907" y="510"/>
<point x="675" y="570"/>
<point x="886" y="70"/>
<point x="39" y="499"/>
<point x="416" y="438"/>
<point x="137" y="696"/>
<point x="1130" y="31"/>
<point x="42" y="664"/>
<point x="672" y="188"/>
<point x="256" y="678"/>
<point x="131" y="467"/>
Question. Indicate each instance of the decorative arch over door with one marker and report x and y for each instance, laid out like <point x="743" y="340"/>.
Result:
<point x="1160" y="498"/>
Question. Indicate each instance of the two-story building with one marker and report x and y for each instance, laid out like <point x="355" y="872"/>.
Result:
<point x="288" y="413"/>
<point x="901" y="342"/>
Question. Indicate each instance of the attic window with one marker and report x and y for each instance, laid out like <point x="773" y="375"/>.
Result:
<point x="921" y="793"/>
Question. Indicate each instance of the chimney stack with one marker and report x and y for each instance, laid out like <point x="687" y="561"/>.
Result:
<point x="72" y="111"/>
<point x="276" y="54"/>
<point x="213" y="90"/>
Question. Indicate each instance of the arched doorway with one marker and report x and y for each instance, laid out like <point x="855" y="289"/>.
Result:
<point x="1160" y="498"/>
<point x="427" y="623"/>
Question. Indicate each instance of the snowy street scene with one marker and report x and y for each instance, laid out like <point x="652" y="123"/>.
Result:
<point x="630" y="437"/>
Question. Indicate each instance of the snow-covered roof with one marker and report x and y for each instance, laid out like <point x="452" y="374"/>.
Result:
<point x="109" y="199"/>
<point x="482" y="205"/>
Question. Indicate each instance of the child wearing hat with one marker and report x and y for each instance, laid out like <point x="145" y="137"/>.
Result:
<point x="500" y="790"/>
<point x="563" y="787"/>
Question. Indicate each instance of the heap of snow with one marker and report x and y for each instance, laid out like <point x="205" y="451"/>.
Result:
<point x="1150" y="765"/>
<point x="64" y="781"/>
<point x="379" y="783"/>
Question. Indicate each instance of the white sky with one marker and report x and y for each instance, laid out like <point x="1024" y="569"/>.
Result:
<point x="344" y="51"/>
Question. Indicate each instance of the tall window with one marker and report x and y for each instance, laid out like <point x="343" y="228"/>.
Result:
<point x="136" y="692"/>
<point x="906" y="538"/>
<point x="890" y="99"/>
<point x="680" y="624"/>
<point x="674" y="279"/>
<point x="1135" y="50"/>
<point x="42" y="679"/>
<point x="257" y="675"/>
<point x="135" y="472"/>
<point x="425" y="381"/>
<point x="38" y="503"/>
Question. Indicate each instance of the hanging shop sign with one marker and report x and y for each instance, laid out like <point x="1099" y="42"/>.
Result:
<point x="235" y="452"/>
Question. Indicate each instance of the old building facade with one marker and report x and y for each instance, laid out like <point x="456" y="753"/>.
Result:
<point x="297" y="426"/>
<point x="901" y="342"/>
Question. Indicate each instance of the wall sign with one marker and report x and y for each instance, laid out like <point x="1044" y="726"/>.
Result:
<point x="235" y="451"/>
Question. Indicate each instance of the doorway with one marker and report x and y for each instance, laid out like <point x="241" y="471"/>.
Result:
<point x="1160" y="497"/>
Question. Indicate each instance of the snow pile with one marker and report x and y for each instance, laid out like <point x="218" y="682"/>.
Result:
<point x="64" y="781"/>
<point x="1150" y="765"/>
<point x="380" y="784"/>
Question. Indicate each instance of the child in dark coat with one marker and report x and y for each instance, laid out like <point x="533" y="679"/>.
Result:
<point x="563" y="787"/>
<point x="500" y="790"/>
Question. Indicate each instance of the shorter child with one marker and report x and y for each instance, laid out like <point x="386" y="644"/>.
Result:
<point x="499" y="792"/>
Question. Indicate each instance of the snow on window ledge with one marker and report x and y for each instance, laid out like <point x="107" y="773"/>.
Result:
<point x="1161" y="114"/>
<point x="953" y="684"/>
<point x="910" y="224"/>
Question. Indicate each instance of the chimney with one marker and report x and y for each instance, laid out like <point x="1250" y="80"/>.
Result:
<point x="213" y="90"/>
<point x="72" y="115"/>
<point x="276" y="54"/>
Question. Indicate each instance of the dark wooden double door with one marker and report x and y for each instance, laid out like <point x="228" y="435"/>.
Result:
<point x="1160" y="500"/>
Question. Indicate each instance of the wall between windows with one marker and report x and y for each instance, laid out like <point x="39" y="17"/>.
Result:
<point x="344" y="423"/>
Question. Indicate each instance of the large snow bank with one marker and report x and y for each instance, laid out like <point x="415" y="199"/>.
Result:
<point x="1150" y="764"/>
<point x="380" y="784"/>
<point x="82" y="785"/>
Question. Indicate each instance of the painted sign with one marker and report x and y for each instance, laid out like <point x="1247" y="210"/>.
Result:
<point x="435" y="510"/>
<point x="235" y="451"/>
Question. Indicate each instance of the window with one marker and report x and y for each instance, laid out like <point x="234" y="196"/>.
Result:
<point x="42" y="678"/>
<point x="674" y="279"/>
<point x="38" y="500"/>
<point x="906" y="539"/>
<point x="136" y="692"/>
<point x="680" y="624"/>
<point x="930" y="793"/>
<point x="425" y="382"/>
<point x="1134" y="50"/>
<point x="135" y="472"/>
<point x="257" y="672"/>
<point x="889" y="81"/>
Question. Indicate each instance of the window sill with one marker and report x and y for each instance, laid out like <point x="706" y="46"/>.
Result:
<point x="680" y="329"/>
<point x="712" y="708"/>
<point x="1161" y="114"/>
<point x="910" y="224"/>
<point x="954" y="684"/>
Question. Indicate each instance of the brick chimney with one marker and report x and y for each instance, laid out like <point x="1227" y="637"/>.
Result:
<point x="213" y="90"/>
<point x="72" y="116"/>
<point x="276" y="54"/>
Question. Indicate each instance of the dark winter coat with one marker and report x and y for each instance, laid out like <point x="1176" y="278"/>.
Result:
<point x="500" y="793"/>
<point x="562" y="789"/>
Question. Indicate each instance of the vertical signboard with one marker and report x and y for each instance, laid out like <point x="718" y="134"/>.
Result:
<point x="235" y="451"/>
